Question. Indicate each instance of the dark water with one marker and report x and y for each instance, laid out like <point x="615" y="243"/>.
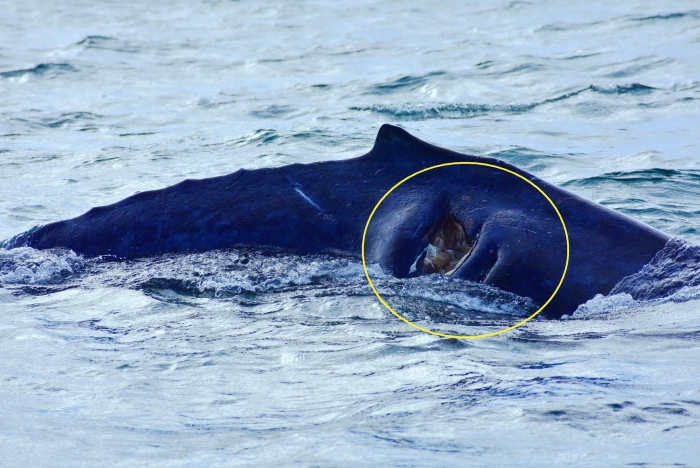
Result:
<point x="252" y="358"/>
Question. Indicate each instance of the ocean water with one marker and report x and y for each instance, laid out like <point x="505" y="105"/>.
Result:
<point x="253" y="358"/>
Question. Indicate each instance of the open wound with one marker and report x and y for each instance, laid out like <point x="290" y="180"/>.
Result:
<point x="447" y="248"/>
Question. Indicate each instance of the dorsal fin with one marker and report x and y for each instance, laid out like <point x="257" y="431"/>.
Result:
<point x="390" y="138"/>
<point x="394" y="144"/>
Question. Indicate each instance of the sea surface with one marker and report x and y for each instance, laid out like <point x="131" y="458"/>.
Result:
<point x="255" y="358"/>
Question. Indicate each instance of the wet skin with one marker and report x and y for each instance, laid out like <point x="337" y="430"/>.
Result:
<point x="472" y="222"/>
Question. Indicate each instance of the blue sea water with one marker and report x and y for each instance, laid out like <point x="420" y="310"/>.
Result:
<point x="248" y="358"/>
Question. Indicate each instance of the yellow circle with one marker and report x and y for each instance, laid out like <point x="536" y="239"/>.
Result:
<point x="447" y="335"/>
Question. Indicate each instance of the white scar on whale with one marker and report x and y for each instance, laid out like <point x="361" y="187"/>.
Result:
<point x="298" y="189"/>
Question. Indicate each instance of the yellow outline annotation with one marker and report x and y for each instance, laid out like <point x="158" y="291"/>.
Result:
<point x="447" y="335"/>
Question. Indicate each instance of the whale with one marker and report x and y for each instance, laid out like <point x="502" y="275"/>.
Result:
<point x="476" y="222"/>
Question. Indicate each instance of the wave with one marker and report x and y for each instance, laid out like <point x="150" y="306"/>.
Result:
<point x="442" y="110"/>
<point x="274" y="112"/>
<point x="670" y="16"/>
<point x="43" y="69"/>
<point x="426" y="111"/>
<point x="250" y="275"/>
<point x="644" y="176"/>
<point x="264" y="137"/>
<point x="520" y="68"/>
<point x="105" y="43"/>
<point x="633" y="88"/>
<point x="245" y="275"/>
<point x="70" y="118"/>
<point x="26" y="266"/>
<point x="636" y="68"/>
<point x="259" y="137"/>
<point x="404" y="83"/>
<point x="83" y="121"/>
<point x="670" y="200"/>
<point x="568" y="26"/>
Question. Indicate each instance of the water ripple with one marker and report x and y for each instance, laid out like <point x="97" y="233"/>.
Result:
<point x="426" y="111"/>
<point x="695" y="14"/>
<point x="41" y="70"/>
<point x="405" y="83"/>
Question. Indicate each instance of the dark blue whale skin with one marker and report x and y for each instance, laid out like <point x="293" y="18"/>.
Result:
<point x="518" y="240"/>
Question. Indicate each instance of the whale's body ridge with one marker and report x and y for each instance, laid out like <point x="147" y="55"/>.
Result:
<point x="472" y="222"/>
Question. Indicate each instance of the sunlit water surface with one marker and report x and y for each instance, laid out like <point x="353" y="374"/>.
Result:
<point x="245" y="357"/>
